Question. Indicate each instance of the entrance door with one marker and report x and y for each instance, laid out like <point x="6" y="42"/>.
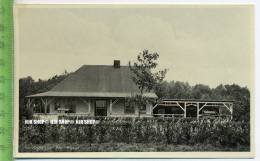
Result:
<point x="100" y="108"/>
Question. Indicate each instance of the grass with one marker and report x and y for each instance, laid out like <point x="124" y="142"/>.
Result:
<point x="123" y="147"/>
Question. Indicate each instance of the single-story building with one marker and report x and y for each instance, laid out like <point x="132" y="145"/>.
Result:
<point x="92" y="90"/>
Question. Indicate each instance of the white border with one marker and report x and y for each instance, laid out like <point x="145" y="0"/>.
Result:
<point x="135" y="1"/>
<point x="257" y="27"/>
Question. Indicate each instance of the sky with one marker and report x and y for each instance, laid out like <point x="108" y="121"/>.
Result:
<point x="204" y="44"/>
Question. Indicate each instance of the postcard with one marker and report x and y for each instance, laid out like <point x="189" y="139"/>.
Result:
<point x="134" y="81"/>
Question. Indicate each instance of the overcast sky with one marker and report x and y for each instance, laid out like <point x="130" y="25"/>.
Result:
<point x="203" y="44"/>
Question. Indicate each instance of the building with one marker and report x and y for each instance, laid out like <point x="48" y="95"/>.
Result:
<point x="193" y="108"/>
<point x="103" y="90"/>
<point x="92" y="90"/>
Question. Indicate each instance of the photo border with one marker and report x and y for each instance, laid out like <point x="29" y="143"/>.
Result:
<point x="125" y="155"/>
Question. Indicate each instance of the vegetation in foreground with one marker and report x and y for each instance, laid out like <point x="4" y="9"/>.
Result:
<point x="167" y="134"/>
<point x="124" y="147"/>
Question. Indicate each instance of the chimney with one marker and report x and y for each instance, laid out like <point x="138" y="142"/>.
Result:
<point x="116" y="63"/>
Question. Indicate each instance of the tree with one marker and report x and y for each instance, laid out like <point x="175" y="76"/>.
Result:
<point x="200" y="91"/>
<point x="180" y="90"/>
<point x="241" y="96"/>
<point x="162" y="90"/>
<point x="144" y="75"/>
<point x="28" y="86"/>
<point x="219" y="93"/>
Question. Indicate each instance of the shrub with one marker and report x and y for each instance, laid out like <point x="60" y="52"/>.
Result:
<point x="217" y="132"/>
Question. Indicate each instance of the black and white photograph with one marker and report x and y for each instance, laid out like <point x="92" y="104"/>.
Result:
<point x="96" y="79"/>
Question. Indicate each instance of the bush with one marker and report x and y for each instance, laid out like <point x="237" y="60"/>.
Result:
<point x="217" y="132"/>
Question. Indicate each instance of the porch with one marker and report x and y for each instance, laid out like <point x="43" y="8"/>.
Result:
<point x="59" y="107"/>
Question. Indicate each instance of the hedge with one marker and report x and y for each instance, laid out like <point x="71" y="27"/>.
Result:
<point x="217" y="132"/>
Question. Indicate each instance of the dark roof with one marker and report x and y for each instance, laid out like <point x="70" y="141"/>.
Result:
<point x="96" y="81"/>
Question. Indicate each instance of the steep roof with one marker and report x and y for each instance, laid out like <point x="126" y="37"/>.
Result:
<point x="96" y="81"/>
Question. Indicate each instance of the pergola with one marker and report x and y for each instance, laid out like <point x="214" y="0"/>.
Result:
<point x="199" y="105"/>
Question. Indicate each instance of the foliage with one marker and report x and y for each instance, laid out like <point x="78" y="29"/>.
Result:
<point x="181" y="90"/>
<point x="144" y="76"/>
<point x="28" y="86"/>
<point x="218" y="133"/>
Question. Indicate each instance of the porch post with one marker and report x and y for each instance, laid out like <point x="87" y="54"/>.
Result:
<point x="45" y="106"/>
<point x="110" y="106"/>
<point x="198" y="111"/>
<point x="89" y="106"/>
<point x="184" y="109"/>
<point x="219" y="112"/>
<point x="231" y="110"/>
<point x="28" y="103"/>
<point x="45" y="102"/>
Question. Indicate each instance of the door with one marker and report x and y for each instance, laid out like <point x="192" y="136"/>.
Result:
<point x="100" y="108"/>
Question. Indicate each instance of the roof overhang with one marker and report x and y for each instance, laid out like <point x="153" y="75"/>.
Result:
<point x="197" y="100"/>
<point x="90" y="94"/>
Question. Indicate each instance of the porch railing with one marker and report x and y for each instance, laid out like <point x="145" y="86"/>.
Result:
<point x="168" y="115"/>
<point x="56" y="116"/>
<point x="201" y="115"/>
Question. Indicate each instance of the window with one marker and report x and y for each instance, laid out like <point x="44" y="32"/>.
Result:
<point x="143" y="109"/>
<point x="56" y="105"/>
<point x="129" y="108"/>
<point x="100" y="108"/>
<point x="70" y="106"/>
<point x="48" y="108"/>
<point x="100" y="104"/>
